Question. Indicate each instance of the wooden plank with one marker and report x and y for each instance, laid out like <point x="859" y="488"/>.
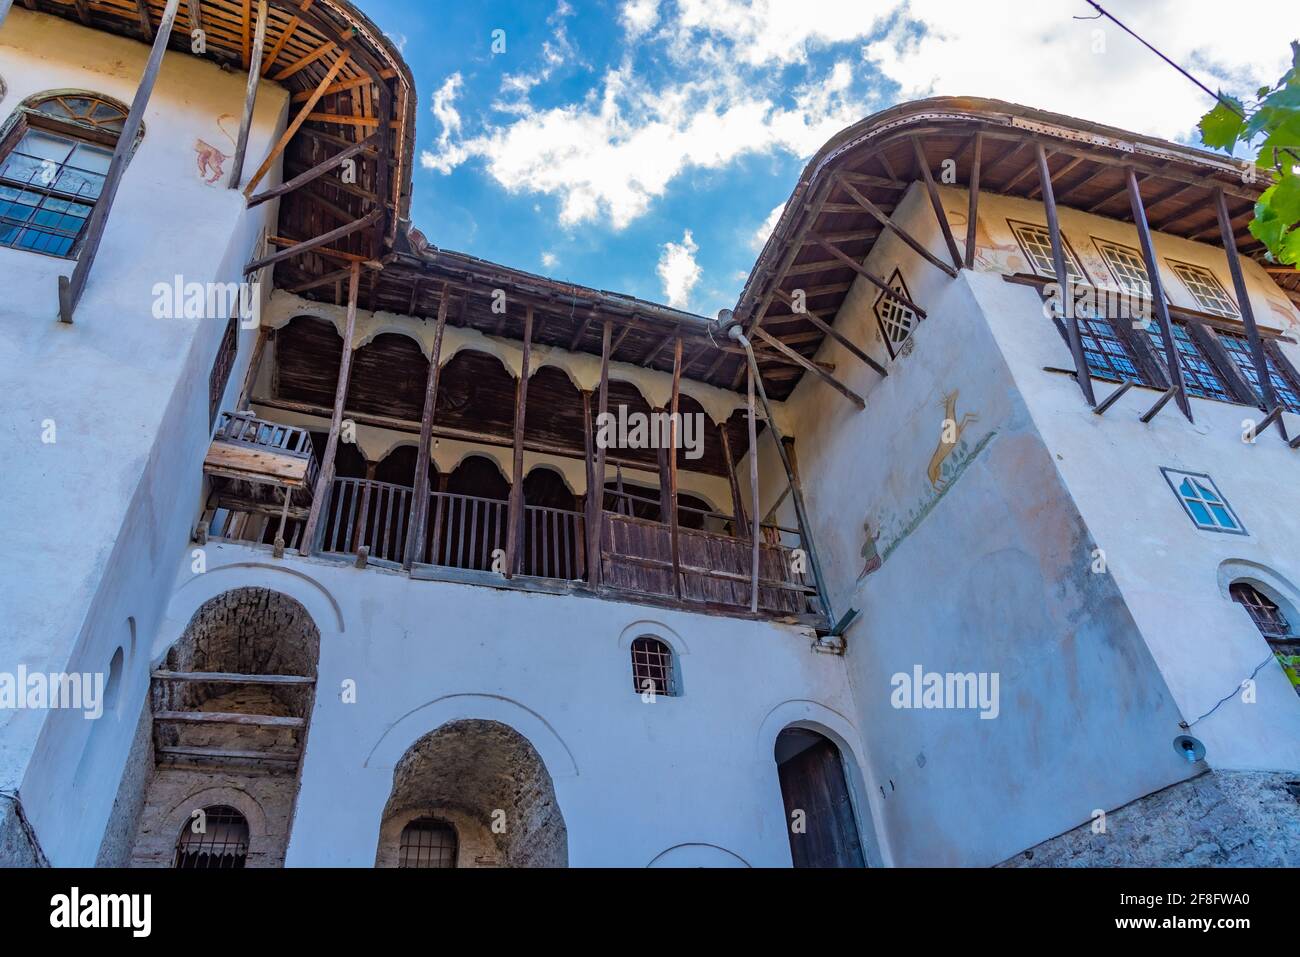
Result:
<point x="420" y="496"/>
<point x="1082" y="375"/>
<point x="829" y="330"/>
<point x="254" y="363"/>
<point x="325" y="478"/>
<point x="755" y="533"/>
<point x="812" y="367"/>
<point x="972" y="209"/>
<point x="142" y="14"/>
<point x="1269" y="396"/>
<point x="516" y="514"/>
<point x="230" y="458"/>
<point x="1174" y="367"/>
<point x="70" y="289"/>
<point x="296" y="122"/>
<point x="230" y="677"/>
<point x="935" y="202"/>
<point x="317" y="171"/>
<point x="596" y="498"/>
<point x="888" y="223"/>
<point x="309" y="244"/>
<point x="675" y="427"/>
<point x="250" y="97"/>
<point x="225" y="755"/>
<point x="737" y="505"/>
<point x="871" y="277"/>
<point x="227" y="717"/>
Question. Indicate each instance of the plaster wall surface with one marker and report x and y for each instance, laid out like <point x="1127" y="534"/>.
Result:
<point x="633" y="780"/>
<point x="96" y="519"/>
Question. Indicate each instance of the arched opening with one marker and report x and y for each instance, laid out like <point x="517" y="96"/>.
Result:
<point x="233" y="698"/>
<point x="428" y="842"/>
<point x="1268" y="613"/>
<point x="485" y="781"/>
<point x="388" y="377"/>
<point x="819" y="814"/>
<point x="215" y="838"/>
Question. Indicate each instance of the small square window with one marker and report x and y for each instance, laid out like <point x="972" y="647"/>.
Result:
<point x="1036" y="242"/>
<point x="1127" y="266"/>
<point x="1203" y="502"/>
<point x="1205" y="288"/>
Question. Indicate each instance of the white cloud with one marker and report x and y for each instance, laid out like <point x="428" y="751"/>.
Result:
<point x="678" y="270"/>
<point x="549" y="260"/>
<point x="449" y="154"/>
<point x="639" y="16"/>
<point x="759" y="239"/>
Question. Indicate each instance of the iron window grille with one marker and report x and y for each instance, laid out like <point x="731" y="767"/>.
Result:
<point x="221" y="845"/>
<point x="652" y="668"/>
<point x="896" y="321"/>
<point x="54" y="161"/>
<point x="1200" y="376"/>
<point x="1203" y="502"/>
<point x="1273" y="625"/>
<point x="1205" y="289"/>
<point x="426" y="843"/>
<point x="1284" y="385"/>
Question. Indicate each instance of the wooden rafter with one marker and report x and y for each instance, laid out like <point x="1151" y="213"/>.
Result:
<point x="936" y="203"/>
<point x="872" y="278"/>
<point x="888" y="223"/>
<point x="810" y="366"/>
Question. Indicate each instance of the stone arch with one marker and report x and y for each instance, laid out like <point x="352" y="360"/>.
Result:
<point x="261" y="852"/>
<point x="698" y="855"/>
<point x="481" y="773"/>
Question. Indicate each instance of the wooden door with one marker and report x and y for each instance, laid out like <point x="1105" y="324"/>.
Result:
<point x="813" y="782"/>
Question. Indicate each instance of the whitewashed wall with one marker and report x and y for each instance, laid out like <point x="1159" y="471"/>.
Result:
<point x="94" y="523"/>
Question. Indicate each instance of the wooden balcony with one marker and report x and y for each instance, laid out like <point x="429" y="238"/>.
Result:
<point x="248" y="449"/>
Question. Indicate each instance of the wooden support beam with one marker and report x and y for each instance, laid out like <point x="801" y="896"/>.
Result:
<point x="1268" y="398"/>
<point x="514" y="553"/>
<point x="250" y="97"/>
<point x="146" y="25"/>
<point x="230" y="677"/>
<point x="812" y="367"/>
<point x="325" y="476"/>
<point x="936" y="202"/>
<point x="871" y="277"/>
<point x="582" y="331"/>
<point x="1160" y="403"/>
<point x="755" y="533"/>
<point x="254" y="362"/>
<point x="796" y="491"/>
<point x="829" y="330"/>
<point x="194" y="9"/>
<point x="296" y="122"/>
<point x="596" y="495"/>
<point x="309" y="244"/>
<point x="1173" y="365"/>
<point x="1082" y="375"/>
<point x="419" y="516"/>
<point x="888" y="223"/>
<point x="737" y="505"/>
<point x="70" y="289"/>
<point x="83" y="11"/>
<point x="1065" y="170"/>
<point x="1104" y="405"/>
<point x="317" y="171"/>
<point x="673" y="446"/>
<point x="972" y="209"/>
<point x="227" y="717"/>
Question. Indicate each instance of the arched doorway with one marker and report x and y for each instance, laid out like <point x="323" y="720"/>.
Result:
<point x="819" y="815"/>
<point x="473" y="793"/>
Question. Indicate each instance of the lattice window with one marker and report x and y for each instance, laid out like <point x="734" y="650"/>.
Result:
<point x="895" y="319"/>
<point x="1284" y="386"/>
<point x="1127" y="267"/>
<point x="427" y="842"/>
<point x="1273" y="625"/>
<point x="1205" y="289"/>
<point x="1200" y="377"/>
<point x="1036" y="242"/>
<point x="53" y="170"/>
<point x="221" y="367"/>
<point x="1108" y="355"/>
<point x="220" y="843"/>
<point x="1203" y="502"/>
<point x="652" y="667"/>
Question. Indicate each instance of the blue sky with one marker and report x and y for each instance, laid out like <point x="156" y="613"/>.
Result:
<point x="644" y="146"/>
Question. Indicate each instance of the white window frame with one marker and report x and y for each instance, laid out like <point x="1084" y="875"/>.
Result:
<point x="1216" y="500"/>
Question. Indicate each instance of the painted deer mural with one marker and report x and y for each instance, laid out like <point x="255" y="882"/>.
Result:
<point x="948" y="439"/>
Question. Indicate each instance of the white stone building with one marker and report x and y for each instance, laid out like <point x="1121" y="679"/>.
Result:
<point x="1003" y="613"/>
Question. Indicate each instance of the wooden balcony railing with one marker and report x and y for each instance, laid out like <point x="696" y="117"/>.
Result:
<point x="248" y="449"/>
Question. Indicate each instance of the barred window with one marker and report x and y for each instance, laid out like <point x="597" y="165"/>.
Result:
<point x="1203" y="502"/>
<point x="1127" y="266"/>
<point x="1200" y="376"/>
<point x="221" y="367"/>
<point x="54" y="163"/>
<point x="895" y="319"/>
<point x="1284" y="386"/>
<point x="1036" y="242"/>
<point x="428" y="842"/>
<point x="1205" y="289"/>
<point x="1273" y="625"/>
<point x="214" y="839"/>
<point x="652" y="667"/>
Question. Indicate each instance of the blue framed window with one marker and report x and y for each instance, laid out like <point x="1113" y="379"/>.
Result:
<point x="1203" y="502"/>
